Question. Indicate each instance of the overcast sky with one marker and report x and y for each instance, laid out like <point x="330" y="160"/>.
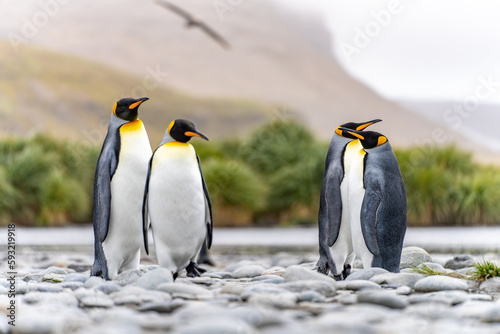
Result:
<point x="425" y="49"/>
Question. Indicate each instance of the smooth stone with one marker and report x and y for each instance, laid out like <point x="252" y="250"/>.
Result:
<point x="257" y="317"/>
<point x="492" y="314"/>
<point x="466" y="271"/>
<point x="108" y="287"/>
<point x="76" y="278"/>
<point x="53" y="278"/>
<point x="403" y="290"/>
<point x="217" y="274"/>
<point x="383" y="298"/>
<point x="299" y="273"/>
<point x="365" y="274"/>
<point x="459" y="262"/>
<point x="446" y="297"/>
<point x="66" y="299"/>
<point x="275" y="270"/>
<point x="491" y="285"/>
<point x="189" y="289"/>
<point x="413" y="256"/>
<point x="45" y="287"/>
<point x="152" y="279"/>
<point x="310" y="296"/>
<point x="162" y="307"/>
<point x="232" y="288"/>
<point x="128" y="277"/>
<point x="97" y="301"/>
<point x="269" y="289"/>
<point x="324" y="288"/>
<point x="249" y="271"/>
<point x="231" y="268"/>
<point x="92" y="282"/>
<point x="278" y="300"/>
<point x="434" y="266"/>
<point x="3" y="290"/>
<point x="406" y="279"/>
<point x="273" y="279"/>
<point x="55" y="270"/>
<point x="439" y="283"/>
<point x="361" y="284"/>
<point x="36" y="277"/>
<point x="71" y="285"/>
<point x="472" y="309"/>
<point x="216" y="325"/>
<point x="134" y="295"/>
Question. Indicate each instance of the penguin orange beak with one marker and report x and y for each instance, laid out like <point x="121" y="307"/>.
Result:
<point x="138" y="103"/>
<point x="196" y="134"/>
<point x="367" y="124"/>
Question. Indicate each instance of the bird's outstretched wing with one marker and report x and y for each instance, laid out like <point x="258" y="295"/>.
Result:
<point x="192" y="21"/>
<point x="208" y="209"/>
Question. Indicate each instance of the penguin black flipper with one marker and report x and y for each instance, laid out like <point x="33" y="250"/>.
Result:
<point x="369" y="209"/>
<point x="334" y="208"/>
<point x="106" y="167"/>
<point x="145" y="212"/>
<point x="208" y="208"/>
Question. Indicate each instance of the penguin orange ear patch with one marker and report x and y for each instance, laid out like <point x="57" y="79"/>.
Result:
<point x="381" y="140"/>
<point x="114" y="109"/>
<point x="170" y="126"/>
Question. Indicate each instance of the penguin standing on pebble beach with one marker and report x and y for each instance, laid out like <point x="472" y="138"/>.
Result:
<point x="176" y="201"/>
<point x="118" y="191"/>
<point x="335" y="242"/>
<point x="377" y="202"/>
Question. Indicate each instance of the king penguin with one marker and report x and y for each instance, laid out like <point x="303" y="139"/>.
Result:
<point x="377" y="199"/>
<point x="118" y="191"/>
<point x="177" y="202"/>
<point x="335" y="243"/>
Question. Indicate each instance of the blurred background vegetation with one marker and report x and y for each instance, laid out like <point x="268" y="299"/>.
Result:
<point x="272" y="177"/>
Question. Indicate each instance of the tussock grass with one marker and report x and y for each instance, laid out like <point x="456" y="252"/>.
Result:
<point x="485" y="269"/>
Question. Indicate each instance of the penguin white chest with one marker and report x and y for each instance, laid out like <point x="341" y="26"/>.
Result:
<point x="127" y="191"/>
<point x="176" y="205"/>
<point x="356" y="194"/>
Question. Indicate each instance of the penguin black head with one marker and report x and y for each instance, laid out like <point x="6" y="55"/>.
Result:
<point x="128" y="108"/>
<point x="355" y="126"/>
<point x="368" y="139"/>
<point x="182" y="130"/>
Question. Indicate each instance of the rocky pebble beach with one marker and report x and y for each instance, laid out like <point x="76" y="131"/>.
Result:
<point x="278" y="293"/>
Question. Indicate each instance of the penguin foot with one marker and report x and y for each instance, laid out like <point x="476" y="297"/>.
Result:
<point x="174" y="275"/>
<point x="347" y="271"/>
<point x="337" y="277"/>
<point x="193" y="270"/>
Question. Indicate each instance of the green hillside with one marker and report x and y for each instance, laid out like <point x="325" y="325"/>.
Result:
<point x="67" y="97"/>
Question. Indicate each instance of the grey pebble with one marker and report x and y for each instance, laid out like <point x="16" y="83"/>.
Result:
<point x="407" y="279"/>
<point x="36" y="277"/>
<point x="188" y="289"/>
<point x="446" y="297"/>
<point x="248" y="271"/>
<point x="55" y="270"/>
<point x="45" y="287"/>
<point x="383" y="298"/>
<point x="310" y="296"/>
<point x="162" y="307"/>
<point x="92" y="282"/>
<point x="299" y="273"/>
<point x="439" y="283"/>
<point x="107" y="287"/>
<point x="232" y="288"/>
<point x="217" y="274"/>
<point x="278" y="300"/>
<point x="460" y="261"/>
<point x="365" y="274"/>
<point x="435" y="266"/>
<point x="71" y="285"/>
<point x="273" y="279"/>
<point x="491" y="285"/>
<point x="76" y="278"/>
<point x="53" y="278"/>
<point x="216" y="325"/>
<point x="466" y="271"/>
<point x="492" y="314"/>
<point x="413" y="256"/>
<point x="361" y="284"/>
<point x="97" y="301"/>
<point x="153" y="278"/>
<point x="325" y="288"/>
<point x="128" y="277"/>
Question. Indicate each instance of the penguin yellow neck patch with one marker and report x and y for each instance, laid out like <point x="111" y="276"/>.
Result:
<point x="131" y="126"/>
<point x="177" y="143"/>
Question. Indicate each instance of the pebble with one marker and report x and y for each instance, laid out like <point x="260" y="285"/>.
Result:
<point x="128" y="277"/>
<point x="249" y="271"/>
<point x="187" y="289"/>
<point x="97" y="301"/>
<point x="53" y="278"/>
<point x="413" y="256"/>
<point x="152" y="279"/>
<point x="279" y="300"/>
<point x="434" y="266"/>
<point x="361" y="285"/>
<point x="446" y="297"/>
<point x="407" y="279"/>
<point x="383" y="298"/>
<point x="325" y="288"/>
<point x="55" y="270"/>
<point x="439" y="283"/>
<point x="75" y="277"/>
<point x="299" y="273"/>
<point x="491" y="285"/>
<point x="459" y="262"/>
<point x="365" y="274"/>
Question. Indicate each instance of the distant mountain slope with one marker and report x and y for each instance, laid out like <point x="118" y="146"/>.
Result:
<point x="42" y="91"/>
<point x="277" y="57"/>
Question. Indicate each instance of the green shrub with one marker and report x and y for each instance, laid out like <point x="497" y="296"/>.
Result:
<point x="484" y="270"/>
